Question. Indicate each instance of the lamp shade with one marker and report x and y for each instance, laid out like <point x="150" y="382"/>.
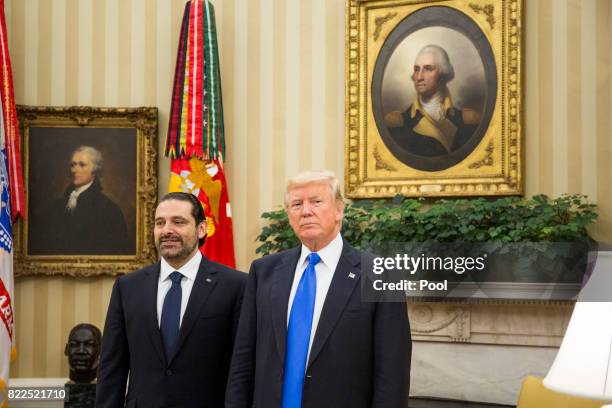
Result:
<point x="583" y="366"/>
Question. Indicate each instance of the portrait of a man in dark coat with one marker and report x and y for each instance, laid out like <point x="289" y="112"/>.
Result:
<point x="432" y="126"/>
<point x="84" y="220"/>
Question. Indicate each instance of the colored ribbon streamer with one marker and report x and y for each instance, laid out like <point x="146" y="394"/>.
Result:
<point x="196" y="128"/>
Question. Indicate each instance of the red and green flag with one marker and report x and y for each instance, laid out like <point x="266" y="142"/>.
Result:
<point x="195" y="140"/>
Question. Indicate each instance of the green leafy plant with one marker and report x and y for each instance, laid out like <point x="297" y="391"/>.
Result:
<point x="371" y="223"/>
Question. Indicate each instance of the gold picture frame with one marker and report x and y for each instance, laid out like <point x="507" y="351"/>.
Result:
<point x="108" y="228"/>
<point x="460" y="136"/>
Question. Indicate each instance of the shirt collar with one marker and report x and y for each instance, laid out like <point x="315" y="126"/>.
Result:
<point x="330" y="255"/>
<point x="447" y="102"/>
<point x="189" y="270"/>
<point x="79" y="190"/>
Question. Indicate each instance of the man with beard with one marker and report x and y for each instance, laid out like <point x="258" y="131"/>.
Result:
<point x="170" y="327"/>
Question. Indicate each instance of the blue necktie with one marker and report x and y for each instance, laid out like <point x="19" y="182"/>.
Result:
<point x="171" y="314"/>
<point x="298" y="335"/>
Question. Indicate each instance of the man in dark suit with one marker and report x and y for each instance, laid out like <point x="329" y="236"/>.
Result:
<point x="306" y="339"/>
<point x="171" y="325"/>
<point x="84" y="221"/>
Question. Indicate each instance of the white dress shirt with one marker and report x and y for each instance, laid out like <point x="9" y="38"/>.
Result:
<point x="74" y="196"/>
<point x="189" y="272"/>
<point x="324" y="270"/>
<point x="435" y="106"/>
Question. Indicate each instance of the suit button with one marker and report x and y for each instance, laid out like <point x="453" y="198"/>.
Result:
<point x="169" y="372"/>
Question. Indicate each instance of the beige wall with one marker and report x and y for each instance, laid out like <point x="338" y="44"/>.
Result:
<point x="283" y="81"/>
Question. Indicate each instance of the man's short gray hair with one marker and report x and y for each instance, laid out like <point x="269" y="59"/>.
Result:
<point x="95" y="156"/>
<point x="447" y="72"/>
<point x="307" y="177"/>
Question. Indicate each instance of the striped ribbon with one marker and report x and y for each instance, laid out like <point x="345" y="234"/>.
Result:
<point x="195" y="127"/>
<point x="10" y="125"/>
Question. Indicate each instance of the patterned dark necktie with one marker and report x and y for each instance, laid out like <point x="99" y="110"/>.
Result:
<point x="171" y="314"/>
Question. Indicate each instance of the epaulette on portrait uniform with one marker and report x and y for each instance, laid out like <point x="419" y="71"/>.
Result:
<point x="470" y="116"/>
<point x="394" y="119"/>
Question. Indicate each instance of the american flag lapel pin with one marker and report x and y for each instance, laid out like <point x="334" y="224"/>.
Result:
<point x="351" y="275"/>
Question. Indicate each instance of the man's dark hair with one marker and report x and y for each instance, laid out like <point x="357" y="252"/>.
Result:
<point x="196" y="207"/>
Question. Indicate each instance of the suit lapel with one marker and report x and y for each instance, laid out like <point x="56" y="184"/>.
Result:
<point x="279" y="297"/>
<point x="150" y="292"/>
<point x="203" y="285"/>
<point x="340" y="290"/>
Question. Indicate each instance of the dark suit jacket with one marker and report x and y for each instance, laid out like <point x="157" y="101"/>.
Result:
<point x="421" y="145"/>
<point x="360" y="355"/>
<point x="196" y="375"/>
<point x="95" y="227"/>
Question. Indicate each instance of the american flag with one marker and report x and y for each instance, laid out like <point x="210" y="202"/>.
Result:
<point x="6" y="277"/>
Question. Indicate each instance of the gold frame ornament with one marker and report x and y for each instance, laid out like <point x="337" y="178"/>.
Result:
<point x="377" y="161"/>
<point x="127" y="138"/>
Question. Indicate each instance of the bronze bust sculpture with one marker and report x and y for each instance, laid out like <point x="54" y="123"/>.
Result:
<point x="83" y="352"/>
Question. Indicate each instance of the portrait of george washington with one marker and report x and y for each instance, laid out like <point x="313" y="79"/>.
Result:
<point x="434" y="89"/>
